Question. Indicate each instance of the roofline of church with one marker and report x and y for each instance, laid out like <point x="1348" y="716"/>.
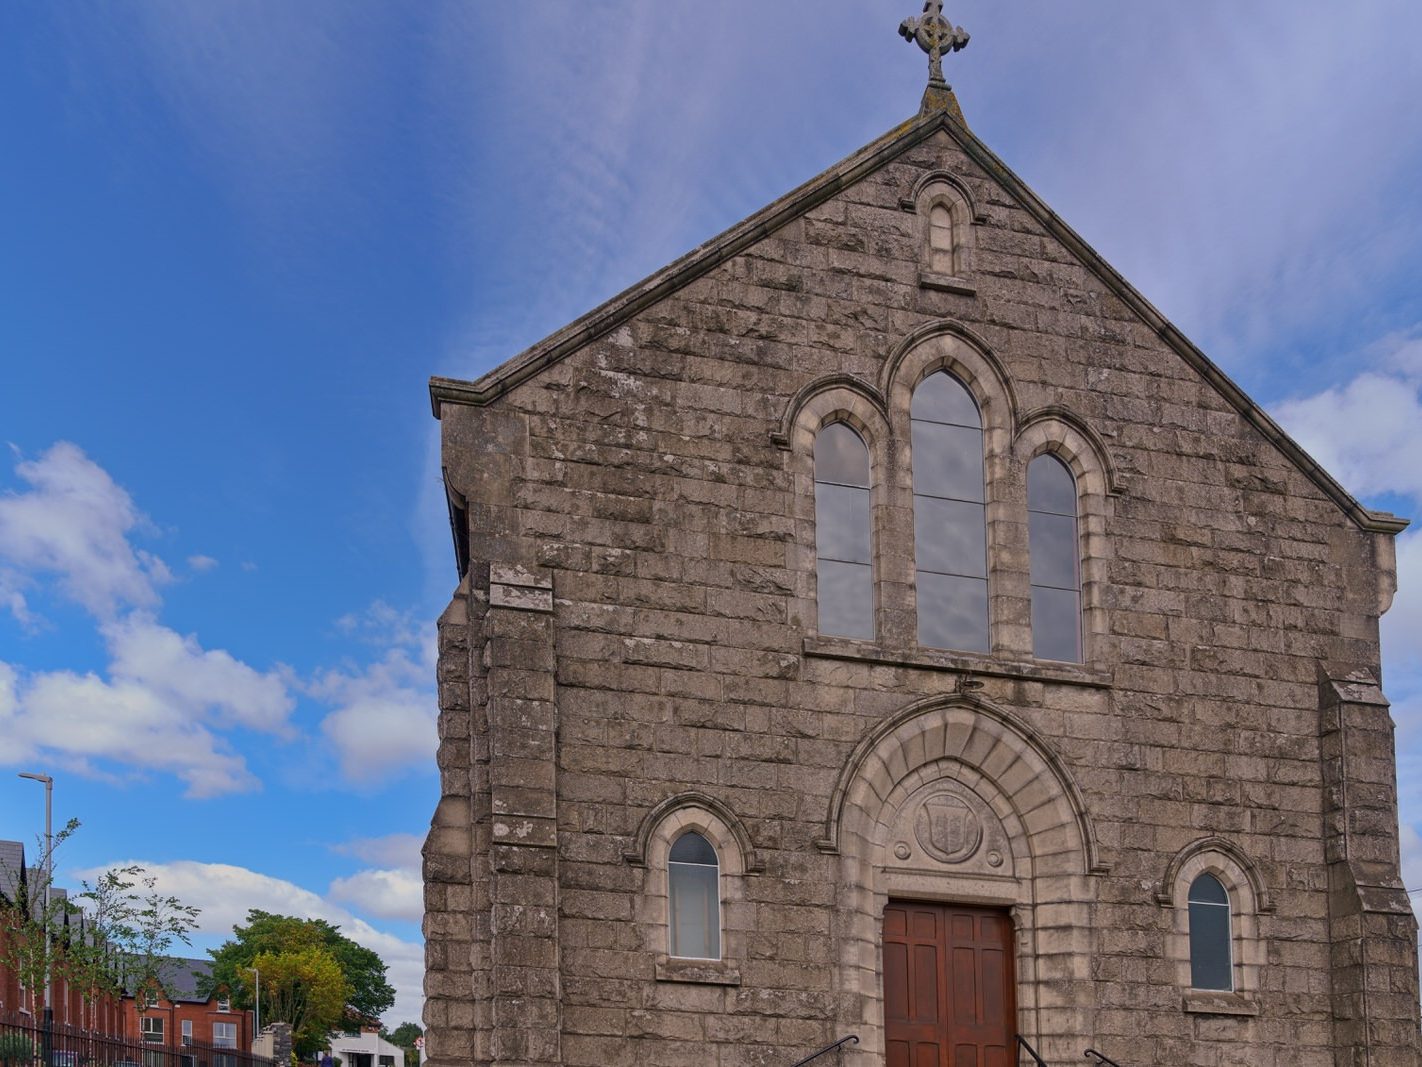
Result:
<point x="706" y="257"/>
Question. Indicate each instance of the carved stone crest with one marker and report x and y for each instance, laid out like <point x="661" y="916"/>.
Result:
<point x="948" y="828"/>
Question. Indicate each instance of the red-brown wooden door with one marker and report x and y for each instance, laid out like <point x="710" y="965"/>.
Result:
<point x="947" y="986"/>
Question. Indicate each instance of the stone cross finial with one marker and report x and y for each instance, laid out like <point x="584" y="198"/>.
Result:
<point x="935" y="35"/>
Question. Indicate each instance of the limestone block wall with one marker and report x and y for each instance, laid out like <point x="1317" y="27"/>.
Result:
<point x="661" y="646"/>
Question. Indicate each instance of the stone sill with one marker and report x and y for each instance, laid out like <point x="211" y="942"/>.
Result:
<point x="927" y="279"/>
<point x="932" y="659"/>
<point x="1219" y="1002"/>
<point x="698" y="972"/>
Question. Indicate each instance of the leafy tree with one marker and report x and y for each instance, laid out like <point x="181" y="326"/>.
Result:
<point x="31" y="930"/>
<point x="304" y="987"/>
<point x="405" y="1036"/>
<point x="368" y="993"/>
<point x="120" y="936"/>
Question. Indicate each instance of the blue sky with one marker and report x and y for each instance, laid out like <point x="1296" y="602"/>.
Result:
<point x="238" y="237"/>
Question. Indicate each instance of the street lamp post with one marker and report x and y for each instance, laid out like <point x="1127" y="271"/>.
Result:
<point x="48" y="886"/>
<point x="257" y="1001"/>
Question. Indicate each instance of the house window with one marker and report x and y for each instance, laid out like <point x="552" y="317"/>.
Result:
<point x="693" y="884"/>
<point x="224" y="1035"/>
<point x="187" y="1025"/>
<point x="1056" y="560"/>
<point x="224" y="1003"/>
<point x="950" y="516"/>
<point x="842" y="533"/>
<point x="1211" y="963"/>
<point x="151" y="1027"/>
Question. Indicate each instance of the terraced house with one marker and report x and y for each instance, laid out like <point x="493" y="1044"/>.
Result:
<point x="883" y="622"/>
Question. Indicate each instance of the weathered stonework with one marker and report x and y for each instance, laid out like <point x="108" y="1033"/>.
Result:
<point x="632" y="652"/>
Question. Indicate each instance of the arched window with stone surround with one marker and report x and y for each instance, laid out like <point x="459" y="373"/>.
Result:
<point x="843" y="541"/>
<point x="1211" y="955"/>
<point x="1056" y="559"/>
<point x="694" y="899"/>
<point x="950" y="515"/>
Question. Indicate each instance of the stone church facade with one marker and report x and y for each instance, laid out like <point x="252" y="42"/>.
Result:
<point x="774" y="711"/>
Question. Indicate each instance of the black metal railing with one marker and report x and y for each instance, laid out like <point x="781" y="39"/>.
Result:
<point x="25" y="1041"/>
<point x="1101" y="1058"/>
<point x="1022" y="1043"/>
<point x="847" y="1039"/>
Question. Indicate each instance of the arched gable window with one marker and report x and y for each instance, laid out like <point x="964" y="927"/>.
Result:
<point x="1056" y="560"/>
<point x="1211" y="958"/>
<point x="844" y="566"/>
<point x="694" y="889"/>
<point x="950" y="516"/>
<point x="940" y="239"/>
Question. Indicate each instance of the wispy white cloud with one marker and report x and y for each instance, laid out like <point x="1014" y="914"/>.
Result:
<point x="201" y="564"/>
<point x="224" y="893"/>
<point x="75" y="523"/>
<point x="384" y="719"/>
<point x="163" y="706"/>
<point x="395" y="893"/>
<point x="1367" y="431"/>
<point x="384" y="711"/>
<point x="392" y="850"/>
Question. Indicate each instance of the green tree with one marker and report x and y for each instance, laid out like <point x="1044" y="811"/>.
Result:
<point x="405" y="1036"/>
<point x="368" y="993"/>
<point x="304" y="987"/>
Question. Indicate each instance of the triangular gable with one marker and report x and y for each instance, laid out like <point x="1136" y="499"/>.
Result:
<point x="938" y="114"/>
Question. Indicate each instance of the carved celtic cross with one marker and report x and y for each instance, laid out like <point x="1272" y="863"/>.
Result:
<point x="935" y="35"/>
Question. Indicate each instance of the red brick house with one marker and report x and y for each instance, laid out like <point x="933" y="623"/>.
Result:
<point x="178" y="1014"/>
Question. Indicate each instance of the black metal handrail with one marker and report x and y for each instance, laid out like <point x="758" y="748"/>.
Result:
<point x="846" y="1039"/>
<point x="1101" y="1058"/>
<point x="1031" y="1051"/>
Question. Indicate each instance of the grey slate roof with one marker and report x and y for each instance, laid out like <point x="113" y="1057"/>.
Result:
<point x="12" y="862"/>
<point x="181" y="978"/>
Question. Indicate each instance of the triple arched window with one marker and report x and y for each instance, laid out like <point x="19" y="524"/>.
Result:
<point x="952" y="551"/>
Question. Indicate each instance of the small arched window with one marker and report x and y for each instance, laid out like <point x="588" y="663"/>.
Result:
<point x="844" y="568"/>
<point x="1056" y="560"/>
<point x="1211" y="958"/>
<point x="940" y="240"/>
<point x="694" y="888"/>
<point x="949" y="516"/>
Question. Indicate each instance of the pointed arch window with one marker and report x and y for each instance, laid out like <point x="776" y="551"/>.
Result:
<point x="694" y="889"/>
<point x="1211" y="958"/>
<point x="940" y="240"/>
<point x="950" y="515"/>
<point x="1056" y="560"/>
<point x="844" y="564"/>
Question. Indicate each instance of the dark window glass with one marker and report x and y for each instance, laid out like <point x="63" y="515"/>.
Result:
<point x="950" y="520"/>
<point x="842" y="522"/>
<point x="1055" y="560"/>
<point x="948" y="461"/>
<point x="952" y="612"/>
<point x="1210" y="939"/>
<point x="951" y="537"/>
<point x="840" y="456"/>
<point x="843" y="536"/>
<point x="942" y="398"/>
<point x="694" y="899"/>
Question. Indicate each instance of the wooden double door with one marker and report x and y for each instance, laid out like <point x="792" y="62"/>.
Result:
<point x="948" y="986"/>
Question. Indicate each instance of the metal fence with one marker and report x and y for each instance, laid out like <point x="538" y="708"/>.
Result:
<point x="25" y="1042"/>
